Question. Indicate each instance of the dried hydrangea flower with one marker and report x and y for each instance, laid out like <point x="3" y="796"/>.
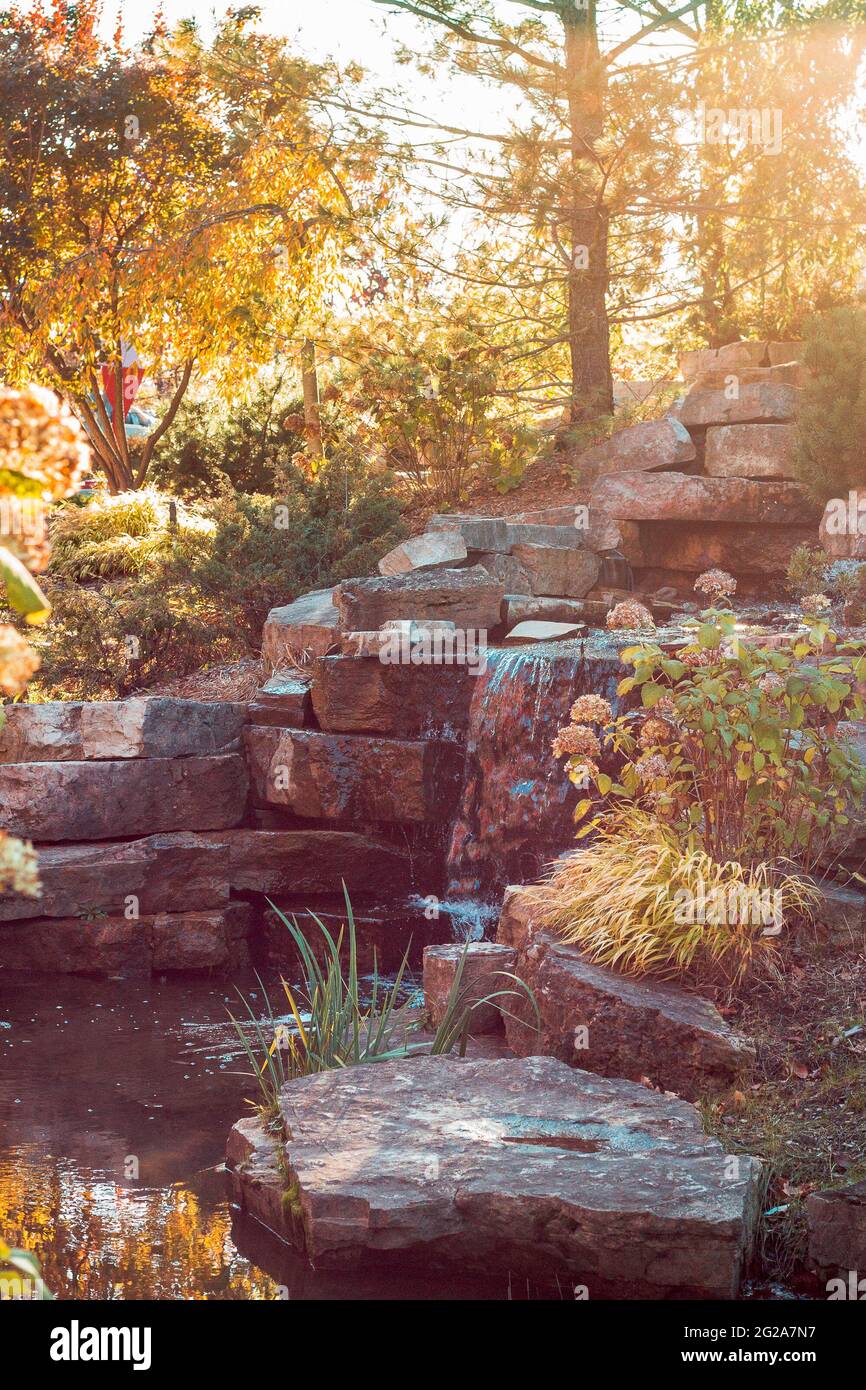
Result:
<point x="701" y="656"/>
<point x="654" y="731"/>
<point x="814" y="603"/>
<point x="630" y="615"/>
<point x="18" y="661"/>
<point x="584" y="772"/>
<point x="18" y="867"/>
<point x="576" y="739"/>
<point x="652" y="768"/>
<point x="717" y="583"/>
<point x="593" y="708"/>
<point x="667" y="705"/>
<point x="42" y="442"/>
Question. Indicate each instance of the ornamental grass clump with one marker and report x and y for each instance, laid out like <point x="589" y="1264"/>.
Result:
<point x="638" y="900"/>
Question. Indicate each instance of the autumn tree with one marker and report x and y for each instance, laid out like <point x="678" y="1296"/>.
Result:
<point x="156" y="200"/>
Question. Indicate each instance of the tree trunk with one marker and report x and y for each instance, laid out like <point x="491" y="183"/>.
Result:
<point x="312" y="414"/>
<point x="588" y="328"/>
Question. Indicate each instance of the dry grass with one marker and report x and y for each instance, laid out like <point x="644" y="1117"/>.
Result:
<point x="625" y="899"/>
<point x="236" y="680"/>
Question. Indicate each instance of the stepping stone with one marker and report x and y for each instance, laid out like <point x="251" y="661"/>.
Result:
<point x="533" y="631"/>
<point x="514" y="1165"/>
<point x="754" y="401"/>
<point x="618" y="1025"/>
<point x="300" y="631"/>
<point x="434" y="548"/>
<point x="480" y="964"/>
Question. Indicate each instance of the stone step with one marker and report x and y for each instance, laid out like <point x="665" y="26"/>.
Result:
<point x="651" y="444"/>
<point x="601" y="1021"/>
<point x="558" y="571"/>
<point x="750" y="451"/>
<point x="282" y="700"/>
<point x="354" y="777"/>
<point x="104" y="800"/>
<point x="297" y="632"/>
<point x="148" y="727"/>
<point x="483" y="968"/>
<point x="469" y="598"/>
<point x="762" y="401"/>
<point x="522" y="1166"/>
<point x="167" y="943"/>
<point x="366" y="695"/>
<point x="679" y="497"/>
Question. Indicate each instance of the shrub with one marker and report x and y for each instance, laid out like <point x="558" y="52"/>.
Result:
<point x="163" y="600"/>
<point x="640" y="900"/>
<point x="830" y="456"/>
<point x="734" y="747"/>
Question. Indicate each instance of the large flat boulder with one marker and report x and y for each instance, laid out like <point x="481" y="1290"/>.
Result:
<point x="432" y="550"/>
<point x="296" y="632"/>
<point x="522" y="1166"/>
<point x="678" y="497"/>
<point x="651" y="444"/>
<point x="212" y="940"/>
<point x="752" y="400"/>
<point x="602" y="1021"/>
<point x="146" y="727"/>
<point x="470" y="598"/>
<point x="366" y="695"/>
<point x="742" y="549"/>
<point x="558" y="571"/>
<point x="105" y="800"/>
<point x="353" y="777"/>
<point x="750" y="451"/>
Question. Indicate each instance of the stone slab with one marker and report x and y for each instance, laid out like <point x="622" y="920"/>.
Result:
<point x="750" y="451"/>
<point x="283" y="700"/>
<point x="296" y="632"/>
<point x="512" y="1165"/>
<point x="679" y="497"/>
<point x="483" y="967"/>
<point x="469" y="598"/>
<point x="146" y="727"/>
<point x="652" y="444"/>
<point x="525" y="633"/>
<point x="75" y="801"/>
<point x="434" y="549"/>
<point x="752" y="401"/>
<point x="558" y="571"/>
<point x="366" y="695"/>
<point x="837" y="1229"/>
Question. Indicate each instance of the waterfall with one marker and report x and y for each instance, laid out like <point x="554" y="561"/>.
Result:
<point x="517" y="805"/>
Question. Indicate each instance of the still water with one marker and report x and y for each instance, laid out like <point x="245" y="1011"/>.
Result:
<point x="115" y="1102"/>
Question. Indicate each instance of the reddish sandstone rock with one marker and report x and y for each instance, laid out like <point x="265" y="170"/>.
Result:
<point x="837" y="1229"/>
<point x="149" y="727"/>
<point x="353" y="777"/>
<point x="431" y="550"/>
<point x="741" y="549"/>
<point x="750" y="451"/>
<point x="651" y="444"/>
<point x="558" y="571"/>
<point x="365" y="695"/>
<point x="312" y="861"/>
<point x="284" y="700"/>
<point x="104" y="800"/>
<point x="731" y="358"/>
<point x="602" y="1021"/>
<point x="299" y="631"/>
<point x="753" y="401"/>
<point x="481" y="965"/>
<point x="518" y="1165"/>
<point x="470" y="598"/>
<point x="677" y="497"/>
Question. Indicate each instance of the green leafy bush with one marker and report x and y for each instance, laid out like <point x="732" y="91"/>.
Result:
<point x="830" y="457"/>
<point x="142" y="594"/>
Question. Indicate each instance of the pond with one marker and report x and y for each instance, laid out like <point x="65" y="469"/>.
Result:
<point x="116" y="1098"/>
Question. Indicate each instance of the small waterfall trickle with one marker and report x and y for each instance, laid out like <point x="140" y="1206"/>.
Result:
<point x="615" y="572"/>
<point x="516" y="810"/>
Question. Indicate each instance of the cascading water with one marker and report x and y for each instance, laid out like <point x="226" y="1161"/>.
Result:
<point x="516" y="810"/>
